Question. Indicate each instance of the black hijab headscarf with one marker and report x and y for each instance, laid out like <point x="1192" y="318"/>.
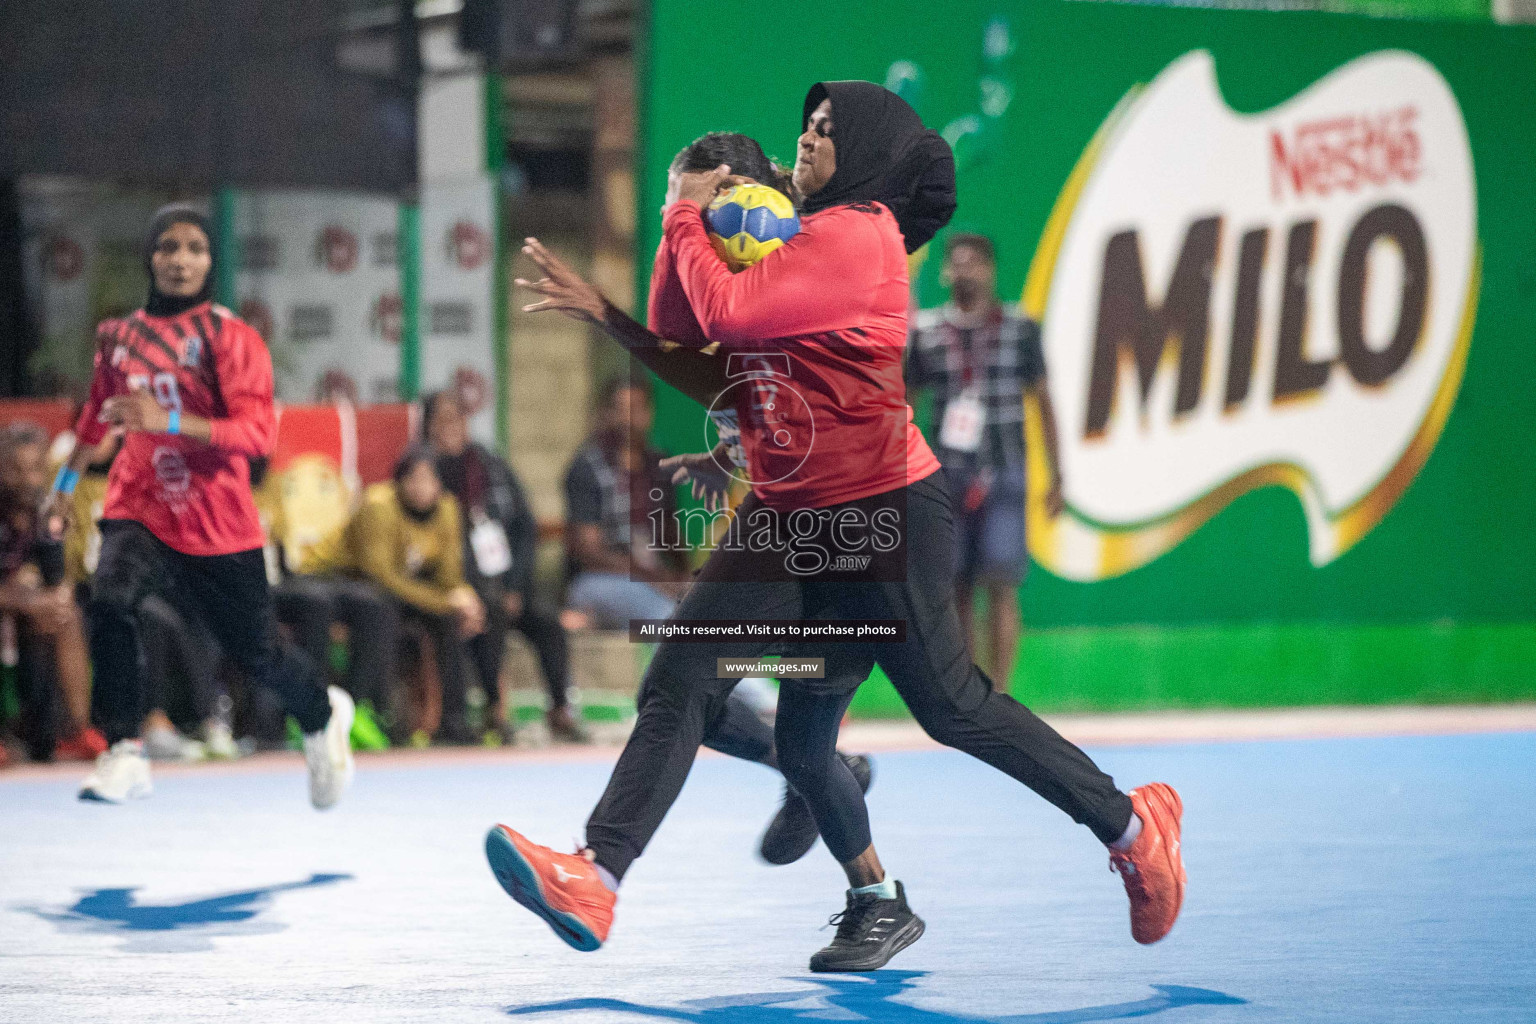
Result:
<point x="159" y="303"/>
<point x="886" y="155"/>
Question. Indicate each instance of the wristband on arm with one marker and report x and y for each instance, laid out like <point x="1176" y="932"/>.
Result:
<point x="173" y="422"/>
<point x="65" y="482"/>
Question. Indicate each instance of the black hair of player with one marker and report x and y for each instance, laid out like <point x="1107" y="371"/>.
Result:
<point x="981" y="245"/>
<point x="742" y="152"/>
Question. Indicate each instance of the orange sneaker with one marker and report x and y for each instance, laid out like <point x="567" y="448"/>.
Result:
<point x="84" y="745"/>
<point x="562" y="888"/>
<point x="1153" y="868"/>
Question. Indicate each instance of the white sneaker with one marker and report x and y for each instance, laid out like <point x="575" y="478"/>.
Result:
<point x="122" y="773"/>
<point x="169" y="745"/>
<point x="219" y="741"/>
<point x="329" y="752"/>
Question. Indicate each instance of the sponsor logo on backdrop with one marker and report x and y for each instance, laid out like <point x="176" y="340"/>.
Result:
<point x="382" y="247"/>
<point x="473" y="389"/>
<point x="468" y="245"/>
<point x="260" y="252"/>
<point x="311" y="322"/>
<point x="1233" y="301"/>
<point x="259" y="315"/>
<point x="451" y="318"/>
<point x="336" y="249"/>
<point x="63" y="258"/>
<point x="386" y="318"/>
<point x="336" y="386"/>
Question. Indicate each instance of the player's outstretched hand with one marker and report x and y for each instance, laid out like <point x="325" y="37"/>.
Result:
<point x="710" y="481"/>
<point x="563" y="289"/>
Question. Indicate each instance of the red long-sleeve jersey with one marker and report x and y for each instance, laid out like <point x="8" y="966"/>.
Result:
<point x="817" y="330"/>
<point x="195" y="497"/>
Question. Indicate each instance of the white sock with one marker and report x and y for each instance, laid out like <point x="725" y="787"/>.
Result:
<point x="1131" y="832"/>
<point x="606" y="877"/>
<point x="886" y="890"/>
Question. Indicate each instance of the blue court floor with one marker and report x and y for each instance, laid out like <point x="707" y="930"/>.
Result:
<point x="1356" y="880"/>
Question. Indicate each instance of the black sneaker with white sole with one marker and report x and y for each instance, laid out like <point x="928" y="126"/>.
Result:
<point x="792" y="832"/>
<point x="870" y="931"/>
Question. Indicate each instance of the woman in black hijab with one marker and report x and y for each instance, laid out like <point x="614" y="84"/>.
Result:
<point x="832" y="300"/>
<point x="188" y="386"/>
<point x="884" y="154"/>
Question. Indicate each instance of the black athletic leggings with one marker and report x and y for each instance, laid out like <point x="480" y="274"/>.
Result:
<point x="949" y="696"/>
<point x="181" y="663"/>
<point x="230" y="595"/>
<point x="310" y="604"/>
<point x="544" y="633"/>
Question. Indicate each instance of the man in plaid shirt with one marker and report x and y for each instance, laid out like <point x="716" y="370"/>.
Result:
<point x="981" y="358"/>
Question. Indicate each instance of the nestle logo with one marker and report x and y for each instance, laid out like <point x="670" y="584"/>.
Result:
<point x="1349" y="152"/>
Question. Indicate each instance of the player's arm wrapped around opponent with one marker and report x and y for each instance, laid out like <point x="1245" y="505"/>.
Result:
<point x="695" y="371"/>
<point x="820" y="280"/>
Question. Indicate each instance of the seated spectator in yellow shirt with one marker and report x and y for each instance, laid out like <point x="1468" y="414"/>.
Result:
<point x="406" y="540"/>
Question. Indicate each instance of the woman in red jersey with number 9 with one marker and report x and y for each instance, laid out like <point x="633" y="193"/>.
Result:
<point x="189" y="387"/>
<point x="832" y="302"/>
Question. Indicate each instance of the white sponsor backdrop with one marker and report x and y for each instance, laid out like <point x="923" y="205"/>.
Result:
<point x="321" y="278"/>
<point x="457" y="278"/>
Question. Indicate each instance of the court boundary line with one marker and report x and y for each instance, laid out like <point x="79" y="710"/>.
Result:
<point x="1161" y="728"/>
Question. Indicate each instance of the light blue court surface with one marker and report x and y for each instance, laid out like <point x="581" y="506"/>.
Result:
<point x="1387" y="880"/>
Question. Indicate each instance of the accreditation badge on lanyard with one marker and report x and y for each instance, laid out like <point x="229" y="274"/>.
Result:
<point x="488" y="541"/>
<point x="964" y="415"/>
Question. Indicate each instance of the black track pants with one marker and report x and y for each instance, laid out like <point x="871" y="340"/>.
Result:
<point x="230" y="595"/>
<point x="948" y="695"/>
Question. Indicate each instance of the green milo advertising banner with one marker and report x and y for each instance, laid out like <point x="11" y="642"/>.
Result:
<point x="1285" y="268"/>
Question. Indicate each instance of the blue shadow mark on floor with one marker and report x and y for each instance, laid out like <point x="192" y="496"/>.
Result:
<point x="869" y="997"/>
<point x="181" y="927"/>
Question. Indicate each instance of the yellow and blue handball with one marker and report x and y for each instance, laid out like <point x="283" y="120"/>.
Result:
<point x="747" y="222"/>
